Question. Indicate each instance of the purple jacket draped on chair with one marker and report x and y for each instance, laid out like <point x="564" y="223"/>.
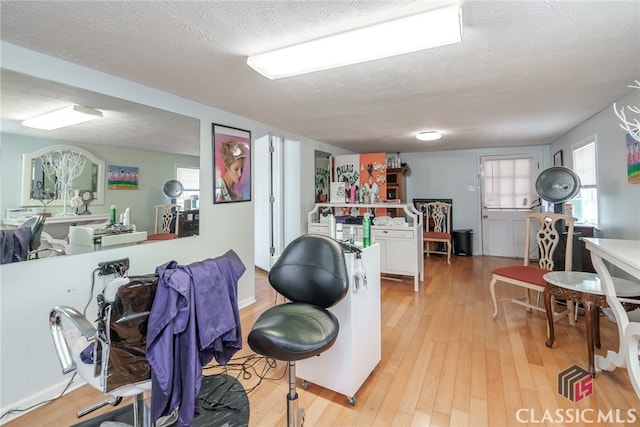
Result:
<point x="14" y="245"/>
<point x="194" y="318"/>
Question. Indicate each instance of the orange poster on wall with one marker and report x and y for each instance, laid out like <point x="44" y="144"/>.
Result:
<point x="373" y="179"/>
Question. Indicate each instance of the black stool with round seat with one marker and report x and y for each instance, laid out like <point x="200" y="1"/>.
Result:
<point x="312" y="274"/>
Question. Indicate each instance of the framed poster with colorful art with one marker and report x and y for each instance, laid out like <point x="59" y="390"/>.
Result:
<point x="633" y="159"/>
<point x="322" y="178"/>
<point x="373" y="179"/>
<point x="231" y="164"/>
<point x="122" y="178"/>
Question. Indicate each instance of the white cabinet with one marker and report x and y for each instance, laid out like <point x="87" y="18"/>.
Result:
<point x="401" y="247"/>
<point x="395" y="247"/>
<point x="358" y="349"/>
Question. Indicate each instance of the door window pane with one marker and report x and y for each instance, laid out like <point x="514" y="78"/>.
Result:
<point x="508" y="183"/>
<point x="190" y="179"/>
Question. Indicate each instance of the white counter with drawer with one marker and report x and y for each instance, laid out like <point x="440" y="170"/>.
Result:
<point x="401" y="247"/>
<point x="58" y="226"/>
<point x="345" y="366"/>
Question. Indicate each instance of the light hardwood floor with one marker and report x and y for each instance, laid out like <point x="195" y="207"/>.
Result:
<point x="445" y="362"/>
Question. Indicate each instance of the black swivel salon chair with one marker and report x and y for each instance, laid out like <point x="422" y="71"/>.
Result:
<point x="312" y="274"/>
<point x="36" y="224"/>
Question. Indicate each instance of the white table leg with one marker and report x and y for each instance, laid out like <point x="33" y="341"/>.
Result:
<point x="613" y="359"/>
<point x="632" y="343"/>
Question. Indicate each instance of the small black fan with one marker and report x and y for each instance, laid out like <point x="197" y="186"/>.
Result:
<point x="557" y="185"/>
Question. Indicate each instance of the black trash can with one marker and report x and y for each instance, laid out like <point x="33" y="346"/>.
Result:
<point x="463" y="242"/>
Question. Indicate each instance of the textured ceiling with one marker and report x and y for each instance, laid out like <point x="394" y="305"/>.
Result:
<point x="123" y="124"/>
<point x="526" y="72"/>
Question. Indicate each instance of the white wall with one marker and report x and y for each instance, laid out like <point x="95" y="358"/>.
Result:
<point x="28" y="290"/>
<point x="450" y="175"/>
<point x="299" y="198"/>
<point x="618" y="200"/>
<point x="29" y="368"/>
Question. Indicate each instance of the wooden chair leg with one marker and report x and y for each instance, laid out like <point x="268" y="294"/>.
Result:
<point x="572" y="309"/>
<point x="528" y="300"/>
<point x="492" y="289"/>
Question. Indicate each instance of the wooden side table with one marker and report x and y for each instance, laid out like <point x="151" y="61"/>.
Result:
<point x="585" y="288"/>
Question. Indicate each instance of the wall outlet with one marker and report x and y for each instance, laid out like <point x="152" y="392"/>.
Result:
<point x="118" y="266"/>
<point x="471" y="188"/>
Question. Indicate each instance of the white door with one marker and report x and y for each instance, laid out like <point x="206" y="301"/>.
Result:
<point x="508" y="192"/>
<point x="262" y="182"/>
<point x="267" y="183"/>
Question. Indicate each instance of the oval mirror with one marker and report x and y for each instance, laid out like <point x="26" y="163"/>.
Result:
<point x="41" y="184"/>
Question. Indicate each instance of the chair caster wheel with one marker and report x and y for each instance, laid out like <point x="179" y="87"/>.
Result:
<point x="352" y="400"/>
<point x="305" y="384"/>
<point x="301" y="417"/>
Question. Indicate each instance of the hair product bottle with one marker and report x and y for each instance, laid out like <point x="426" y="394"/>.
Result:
<point x="366" y="231"/>
<point x="332" y="225"/>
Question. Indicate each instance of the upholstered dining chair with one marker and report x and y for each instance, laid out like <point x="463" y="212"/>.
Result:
<point x="549" y="227"/>
<point x="312" y="274"/>
<point x="167" y="219"/>
<point x="437" y="224"/>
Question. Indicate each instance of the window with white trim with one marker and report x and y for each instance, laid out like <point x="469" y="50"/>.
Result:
<point x="508" y="183"/>
<point x="585" y="204"/>
<point x="189" y="177"/>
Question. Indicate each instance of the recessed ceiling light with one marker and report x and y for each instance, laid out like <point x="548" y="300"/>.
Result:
<point x="429" y="135"/>
<point x="410" y="34"/>
<point x="67" y="116"/>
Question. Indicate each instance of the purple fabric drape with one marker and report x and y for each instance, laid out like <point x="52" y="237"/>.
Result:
<point x="194" y="318"/>
<point x="14" y="244"/>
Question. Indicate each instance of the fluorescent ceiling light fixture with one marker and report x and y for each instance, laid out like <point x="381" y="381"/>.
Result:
<point x="67" y="116"/>
<point x="430" y="29"/>
<point x="429" y="135"/>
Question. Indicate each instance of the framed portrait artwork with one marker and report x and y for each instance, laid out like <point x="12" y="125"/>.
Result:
<point x="231" y="164"/>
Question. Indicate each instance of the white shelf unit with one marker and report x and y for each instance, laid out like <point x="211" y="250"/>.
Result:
<point x="358" y="349"/>
<point x="401" y="247"/>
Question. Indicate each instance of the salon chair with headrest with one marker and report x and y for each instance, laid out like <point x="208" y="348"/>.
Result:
<point x="36" y="224"/>
<point x="312" y="274"/>
<point x="24" y="243"/>
<point x="110" y="354"/>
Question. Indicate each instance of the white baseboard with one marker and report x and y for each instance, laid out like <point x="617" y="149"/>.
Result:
<point x="40" y="397"/>
<point x="246" y="302"/>
<point x="55" y="390"/>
